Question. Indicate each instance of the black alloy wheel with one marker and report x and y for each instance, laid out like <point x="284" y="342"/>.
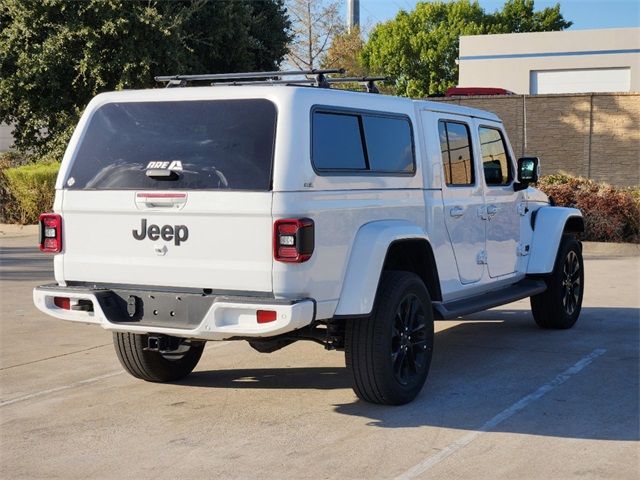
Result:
<point x="409" y="340"/>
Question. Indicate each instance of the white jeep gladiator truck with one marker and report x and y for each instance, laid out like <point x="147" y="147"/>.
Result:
<point x="273" y="211"/>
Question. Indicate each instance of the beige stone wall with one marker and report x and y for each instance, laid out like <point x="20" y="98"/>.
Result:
<point x="591" y="135"/>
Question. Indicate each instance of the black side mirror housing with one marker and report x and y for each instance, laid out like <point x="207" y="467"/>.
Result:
<point x="528" y="172"/>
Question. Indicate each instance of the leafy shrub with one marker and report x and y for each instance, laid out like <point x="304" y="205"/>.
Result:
<point x="31" y="189"/>
<point x="610" y="214"/>
<point x="8" y="206"/>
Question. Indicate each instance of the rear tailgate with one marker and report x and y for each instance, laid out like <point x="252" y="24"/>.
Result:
<point x="215" y="240"/>
<point x="172" y="194"/>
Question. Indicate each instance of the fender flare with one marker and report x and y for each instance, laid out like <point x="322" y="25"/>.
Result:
<point x="550" y="223"/>
<point x="366" y="261"/>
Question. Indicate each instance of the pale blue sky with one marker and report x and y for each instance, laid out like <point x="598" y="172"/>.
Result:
<point x="583" y="13"/>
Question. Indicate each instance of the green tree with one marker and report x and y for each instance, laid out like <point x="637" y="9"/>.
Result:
<point x="346" y="52"/>
<point x="56" y="55"/>
<point x="420" y="48"/>
<point x="519" y="16"/>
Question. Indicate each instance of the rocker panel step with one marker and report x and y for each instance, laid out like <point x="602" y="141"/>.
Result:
<point x="523" y="289"/>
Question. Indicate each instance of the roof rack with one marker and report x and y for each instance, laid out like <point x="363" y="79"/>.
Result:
<point x="367" y="82"/>
<point x="319" y="79"/>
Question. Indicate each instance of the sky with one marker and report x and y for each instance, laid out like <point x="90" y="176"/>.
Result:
<point x="584" y="14"/>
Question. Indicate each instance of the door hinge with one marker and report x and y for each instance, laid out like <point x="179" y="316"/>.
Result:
<point x="522" y="250"/>
<point x="522" y="209"/>
<point x="481" y="258"/>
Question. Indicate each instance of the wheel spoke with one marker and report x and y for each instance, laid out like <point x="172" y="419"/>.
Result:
<point x="398" y="362"/>
<point x="420" y="327"/>
<point x="411" y="360"/>
<point x="413" y="309"/>
<point x="575" y="265"/>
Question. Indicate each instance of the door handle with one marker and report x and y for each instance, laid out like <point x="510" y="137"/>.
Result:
<point x="456" y="212"/>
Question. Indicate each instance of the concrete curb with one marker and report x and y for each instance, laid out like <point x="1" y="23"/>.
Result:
<point x="592" y="249"/>
<point x="12" y="231"/>
<point x="605" y="249"/>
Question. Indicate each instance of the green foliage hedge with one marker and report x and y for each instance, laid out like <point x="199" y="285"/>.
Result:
<point x="610" y="214"/>
<point x="26" y="191"/>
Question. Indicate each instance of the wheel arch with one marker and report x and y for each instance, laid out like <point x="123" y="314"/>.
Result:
<point x="415" y="255"/>
<point x="550" y="224"/>
<point x="381" y="245"/>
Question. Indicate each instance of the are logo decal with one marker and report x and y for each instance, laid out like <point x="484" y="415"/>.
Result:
<point x="172" y="165"/>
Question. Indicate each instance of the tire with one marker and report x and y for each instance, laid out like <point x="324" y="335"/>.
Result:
<point x="154" y="366"/>
<point x="559" y="306"/>
<point x="389" y="353"/>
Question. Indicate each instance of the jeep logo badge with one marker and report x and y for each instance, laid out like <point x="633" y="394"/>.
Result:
<point x="177" y="233"/>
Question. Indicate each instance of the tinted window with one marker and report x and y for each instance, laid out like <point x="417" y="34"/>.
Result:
<point x="219" y="144"/>
<point x="495" y="160"/>
<point x="389" y="145"/>
<point x="337" y="143"/>
<point x="362" y="142"/>
<point x="455" y="144"/>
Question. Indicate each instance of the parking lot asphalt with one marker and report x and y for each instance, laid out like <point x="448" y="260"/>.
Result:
<point x="503" y="400"/>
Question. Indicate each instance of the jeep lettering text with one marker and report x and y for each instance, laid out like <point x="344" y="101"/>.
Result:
<point x="177" y="233"/>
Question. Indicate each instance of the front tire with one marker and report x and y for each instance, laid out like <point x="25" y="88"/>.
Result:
<point x="559" y="306"/>
<point x="154" y="366"/>
<point x="389" y="354"/>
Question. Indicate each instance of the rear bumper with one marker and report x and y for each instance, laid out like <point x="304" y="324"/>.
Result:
<point x="226" y="316"/>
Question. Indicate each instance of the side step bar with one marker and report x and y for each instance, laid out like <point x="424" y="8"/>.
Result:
<point x="523" y="289"/>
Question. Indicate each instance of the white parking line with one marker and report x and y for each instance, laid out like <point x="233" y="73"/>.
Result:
<point x="58" y="389"/>
<point x="211" y="345"/>
<point x="462" y="442"/>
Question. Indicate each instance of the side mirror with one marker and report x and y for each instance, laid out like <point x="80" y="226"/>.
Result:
<point x="528" y="172"/>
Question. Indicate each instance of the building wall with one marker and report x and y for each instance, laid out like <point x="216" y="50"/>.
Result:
<point x="6" y="140"/>
<point x="507" y="60"/>
<point x="591" y="135"/>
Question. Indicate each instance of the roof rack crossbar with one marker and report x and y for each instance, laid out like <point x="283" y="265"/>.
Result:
<point x="305" y="81"/>
<point x="369" y="82"/>
<point x="222" y="77"/>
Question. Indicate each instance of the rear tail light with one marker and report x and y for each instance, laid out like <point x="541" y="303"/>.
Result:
<point x="62" y="302"/>
<point x="293" y="240"/>
<point x="50" y="232"/>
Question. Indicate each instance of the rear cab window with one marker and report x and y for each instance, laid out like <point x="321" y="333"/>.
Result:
<point x="355" y="142"/>
<point x="206" y="144"/>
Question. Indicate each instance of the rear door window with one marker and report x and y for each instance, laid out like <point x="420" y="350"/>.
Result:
<point x="457" y="157"/>
<point x="495" y="160"/>
<point x="208" y="145"/>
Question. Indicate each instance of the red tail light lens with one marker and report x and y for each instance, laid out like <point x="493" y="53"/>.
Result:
<point x="293" y="240"/>
<point x="266" y="316"/>
<point x="50" y="232"/>
<point x="62" y="302"/>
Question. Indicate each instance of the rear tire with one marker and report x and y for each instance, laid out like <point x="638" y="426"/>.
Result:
<point x="389" y="354"/>
<point x="559" y="306"/>
<point x="154" y="366"/>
